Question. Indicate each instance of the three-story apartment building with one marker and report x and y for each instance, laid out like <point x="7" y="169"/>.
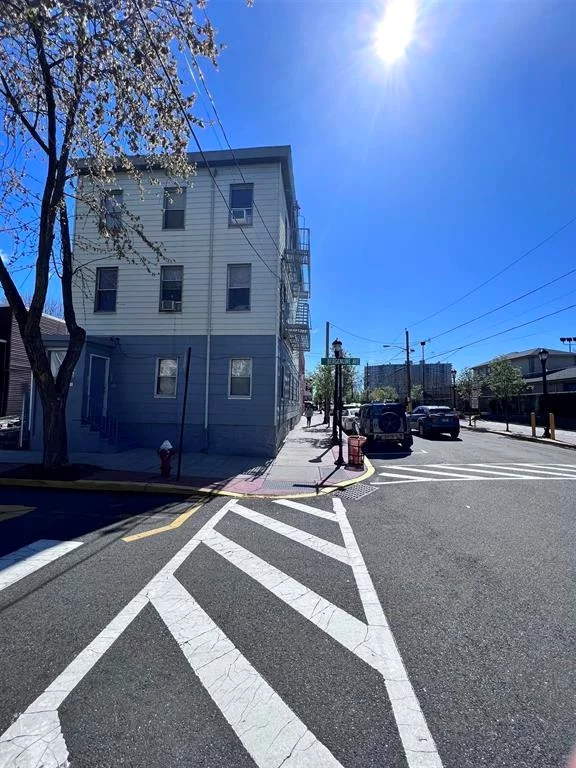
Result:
<point x="233" y="289"/>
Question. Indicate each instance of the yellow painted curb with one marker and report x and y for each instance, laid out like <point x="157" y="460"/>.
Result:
<point x="176" y="523"/>
<point x="181" y="490"/>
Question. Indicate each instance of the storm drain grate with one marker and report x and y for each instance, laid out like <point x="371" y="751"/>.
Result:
<point x="355" y="492"/>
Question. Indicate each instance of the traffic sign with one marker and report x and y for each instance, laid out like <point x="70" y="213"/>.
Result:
<point x="340" y="361"/>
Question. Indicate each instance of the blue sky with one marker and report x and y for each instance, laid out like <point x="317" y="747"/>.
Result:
<point x="420" y="181"/>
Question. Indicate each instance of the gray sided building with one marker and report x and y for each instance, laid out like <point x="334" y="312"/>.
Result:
<point x="233" y="288"/>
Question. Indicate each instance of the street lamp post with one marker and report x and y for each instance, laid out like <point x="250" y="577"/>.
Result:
<point x="423" y="345"/>
<point x="453" y="372"/>
<point x="337" y="433"/>
<point x="543" y="355"/>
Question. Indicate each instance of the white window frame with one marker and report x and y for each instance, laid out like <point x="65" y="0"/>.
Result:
<point x="249" y="219"/>
<point x="174" y="192"/>
<point x="233" y="288"/>
<point x="97" y="289"/>
<point x="239" y="397"/>
<point x="112" y="206"/>
<point x="162" y="281"/>
<point x="157" y="375"/>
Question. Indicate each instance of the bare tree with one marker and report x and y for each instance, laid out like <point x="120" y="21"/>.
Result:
<point x="96" y="81"/>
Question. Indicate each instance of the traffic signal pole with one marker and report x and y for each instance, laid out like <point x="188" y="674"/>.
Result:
<point x="408" y="374"/>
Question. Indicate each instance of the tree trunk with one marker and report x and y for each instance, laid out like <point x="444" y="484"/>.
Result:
<point x="55" y="434"/>
<point x="506" y="415"/>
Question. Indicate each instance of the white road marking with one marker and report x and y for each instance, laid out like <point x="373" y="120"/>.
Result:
<point x="340" y="625"/>
<point x="36" y="735"/>
<point x="478" y="469"/>
<point x="26" y="560"/>
<point x="419" y="746"/>
<point x="395" y="474"/>
<point x="295" y="534"/>
<point x="305" y="508"/>
<point x="566" y="472"/>
<point x="427" y="471"/>
<point x="464" y="479"/>
<point x="270" y="731"/>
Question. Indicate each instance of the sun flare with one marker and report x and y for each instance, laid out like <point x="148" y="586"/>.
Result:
<point x="395" y="31"/>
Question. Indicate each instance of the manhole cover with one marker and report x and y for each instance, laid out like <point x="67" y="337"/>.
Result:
<point x="355" y="492"/>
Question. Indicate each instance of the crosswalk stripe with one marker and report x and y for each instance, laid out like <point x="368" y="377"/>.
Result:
<point x="565" y="472"/>
<point x="305" y="508"/>
<point x="393" y="474"/>
<point x="270" y="731"/>
<point x="295" y="534"/>
<point x="427" y="471"/>
<point x="340" y="625"/>
<point x="531" y="469"/>
<point x="418" y="743"/>
<point x="477" y="468"/>
<point x="31" y="558"/>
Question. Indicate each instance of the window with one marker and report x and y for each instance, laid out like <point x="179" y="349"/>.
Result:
<point x="171" y="289"/>
<point x="174" y="207"/>
<point x="166" y="374"/>
<point x="56" y="358"/>
<point x="112" y="205"/>
<point x="241" y="196"/>
<point x="239" y="279"/>
<point x="240" y="377"/>
<point x="106" y="288"/>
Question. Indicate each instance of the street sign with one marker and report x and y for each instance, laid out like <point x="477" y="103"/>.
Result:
<point x="340" y="361"/>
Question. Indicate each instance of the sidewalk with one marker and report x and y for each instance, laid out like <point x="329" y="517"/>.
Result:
<point x="564" y="437"/>
<point x="304" y="466"/>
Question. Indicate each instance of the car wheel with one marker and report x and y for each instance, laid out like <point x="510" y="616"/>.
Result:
<point x="406" y="445"/>
<point x="421" y="430"/>
<point x="454" y="435"/>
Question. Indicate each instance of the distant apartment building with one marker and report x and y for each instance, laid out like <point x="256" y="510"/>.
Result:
<point x="436" y="378"/>
<point x="528" y="363"/>
<point x="234" y="289"/>
<point x="15" y="372"/>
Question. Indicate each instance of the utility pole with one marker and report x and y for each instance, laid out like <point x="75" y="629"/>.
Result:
<point x="408" y="373"/>
<point x="423" y="344"/>
<point x="327" y="398"/>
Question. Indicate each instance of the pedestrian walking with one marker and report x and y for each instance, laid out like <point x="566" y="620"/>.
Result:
<point x="308" y="413"/>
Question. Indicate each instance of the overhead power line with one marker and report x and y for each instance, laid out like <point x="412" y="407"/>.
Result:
<point x="500" y="333"/>
<point x="196" y="141"/>
<point x="502" y="306"/>
<point x="522" y="256"/>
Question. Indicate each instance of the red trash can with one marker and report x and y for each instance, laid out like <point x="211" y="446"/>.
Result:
<point x="355" y="453"/>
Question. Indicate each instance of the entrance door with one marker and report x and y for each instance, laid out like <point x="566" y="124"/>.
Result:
<point x="98" y="388"/>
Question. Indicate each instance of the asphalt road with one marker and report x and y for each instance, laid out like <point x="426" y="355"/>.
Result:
<point x="429" y="622"/>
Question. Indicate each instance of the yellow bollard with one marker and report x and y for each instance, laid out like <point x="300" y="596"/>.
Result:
<point x="552" y="426"/>
<point x="533" y="423"/>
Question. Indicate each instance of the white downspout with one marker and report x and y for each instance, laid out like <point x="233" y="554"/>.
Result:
<point x="209" y="317"/>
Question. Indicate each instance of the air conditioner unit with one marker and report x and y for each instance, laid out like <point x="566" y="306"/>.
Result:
<point x="171" y="306"/>
<point x="240" y="215"/>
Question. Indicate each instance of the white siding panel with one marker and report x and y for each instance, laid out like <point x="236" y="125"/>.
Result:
<point x="138" y="289"/>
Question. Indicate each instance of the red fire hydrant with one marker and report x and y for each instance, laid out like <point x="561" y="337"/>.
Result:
<point x="166" y="452"/>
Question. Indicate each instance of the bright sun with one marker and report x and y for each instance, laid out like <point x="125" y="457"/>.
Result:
<point x="396" y="29"/>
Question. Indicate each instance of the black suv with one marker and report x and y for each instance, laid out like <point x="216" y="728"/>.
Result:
<point x="433" y="420"/>
<point x="385" y="422"/>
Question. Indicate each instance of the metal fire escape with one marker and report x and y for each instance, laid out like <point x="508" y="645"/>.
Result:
<point x="296" y="288"/>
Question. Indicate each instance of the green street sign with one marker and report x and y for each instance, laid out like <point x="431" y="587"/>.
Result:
<point x="340" y="361"/>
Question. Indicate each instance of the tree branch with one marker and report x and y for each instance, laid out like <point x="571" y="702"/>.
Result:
<point x="6" y="91"/>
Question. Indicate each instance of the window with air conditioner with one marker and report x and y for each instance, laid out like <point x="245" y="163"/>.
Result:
<point x="171" y="289"/>
<point x="174" y="208"/>
<point x="239" y="283"/>
<point x="241" y="203"/>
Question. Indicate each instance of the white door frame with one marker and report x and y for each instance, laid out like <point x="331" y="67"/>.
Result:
<point x="105" y="399"/>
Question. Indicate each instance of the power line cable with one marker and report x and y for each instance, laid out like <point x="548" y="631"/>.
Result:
<point x="500" y="333"/>
<point x="196" y="141"/>
<point x="497" y="274"/>
<point x="502" y="306"/>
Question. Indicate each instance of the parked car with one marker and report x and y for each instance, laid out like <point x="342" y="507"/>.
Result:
<point x="350" y="419"/>
<point x="435" y="420"/>
<point x="385" y="422"/>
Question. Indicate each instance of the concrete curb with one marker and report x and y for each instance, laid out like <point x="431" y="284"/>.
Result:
<point x="516" y="436"/>
<point x="122" y="486"/>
